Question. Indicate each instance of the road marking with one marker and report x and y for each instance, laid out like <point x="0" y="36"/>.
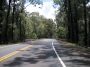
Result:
<point x="62" y="63"/>
<point x="13" y="53"/>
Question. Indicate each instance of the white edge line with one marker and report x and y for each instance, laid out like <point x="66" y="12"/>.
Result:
<point x="62" y="63"/>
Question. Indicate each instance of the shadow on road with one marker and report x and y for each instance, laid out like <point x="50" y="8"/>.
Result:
<point x="32" y="56"/>
<point x="73" y="55"/>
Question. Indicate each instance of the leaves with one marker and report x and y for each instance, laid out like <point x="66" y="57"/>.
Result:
<point x="38" y="26"/>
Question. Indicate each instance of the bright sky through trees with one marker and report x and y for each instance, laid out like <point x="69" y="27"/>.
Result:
<point x="47" y="9"/>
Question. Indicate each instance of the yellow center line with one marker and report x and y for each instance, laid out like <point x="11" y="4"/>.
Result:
<point x="13" y="53"/>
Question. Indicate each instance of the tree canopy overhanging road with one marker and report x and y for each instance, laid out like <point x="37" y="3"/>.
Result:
<point x="40" y="39"/>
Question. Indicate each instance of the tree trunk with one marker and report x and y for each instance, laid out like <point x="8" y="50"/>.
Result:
<point x="7" y="20"/>
<point x="85" y="21"/>
<point x="1" y="19"/>
<point x="70" y="34"/>
<point x="13" y="17"/>
<point x="76" y="32"/>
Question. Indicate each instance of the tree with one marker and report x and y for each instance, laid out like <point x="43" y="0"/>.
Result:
<point x="85" y="21"/>
<point x="76" y="18"/>
<point x="6" y="24"/>
<point x="39" y="27"/>
<point x="2" y="12"/>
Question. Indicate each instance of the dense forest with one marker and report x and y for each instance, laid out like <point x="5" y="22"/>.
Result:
<point x="39" y="27"/>
<point x="17" y="25"/>
<point x="72" y="22"/>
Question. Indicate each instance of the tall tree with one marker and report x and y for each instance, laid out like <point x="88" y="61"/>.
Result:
<point x="2" y="8"/>
<point x="6" y="24"/>
<point x="13" y="18"/>
<point x="85" y="21"/>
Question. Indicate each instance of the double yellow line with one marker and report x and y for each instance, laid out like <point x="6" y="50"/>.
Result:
<point x="13" y="53"/>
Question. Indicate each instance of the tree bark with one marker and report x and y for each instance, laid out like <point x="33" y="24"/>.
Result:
<point x="85" y="21"/>
<point x="13" y="17"/>
<point x="76" y="31"/>
<point x="7" y="20"/>
<point x="1" y="18"/>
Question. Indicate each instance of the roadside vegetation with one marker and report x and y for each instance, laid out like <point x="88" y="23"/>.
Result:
<point x="72" y="22"/>
<point x="17" y="25"/>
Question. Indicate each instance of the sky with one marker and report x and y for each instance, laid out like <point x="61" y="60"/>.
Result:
<point x="47" y="9"/>
<point x="88" y="4"/>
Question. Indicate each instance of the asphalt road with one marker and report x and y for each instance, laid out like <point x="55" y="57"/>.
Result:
<point x="41" y="53"/>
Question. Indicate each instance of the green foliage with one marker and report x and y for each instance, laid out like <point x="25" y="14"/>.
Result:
<point x="38" y="26"/>
<point x="15" y="25"/>
<point x="73" y="21"/>
<point x="35" y="1"/>
<point x="58" y="2"/>
<point x="61" y="32"/>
